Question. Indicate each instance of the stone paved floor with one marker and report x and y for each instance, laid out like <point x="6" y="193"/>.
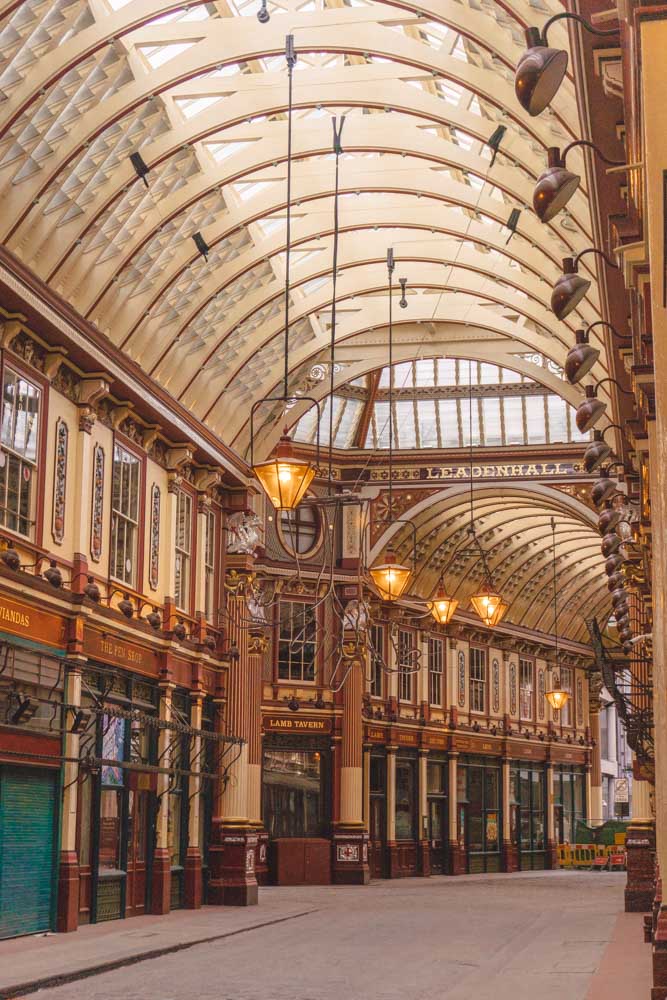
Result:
<point x="527" y="937"/>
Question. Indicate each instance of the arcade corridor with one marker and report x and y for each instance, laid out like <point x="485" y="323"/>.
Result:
<point x="530" y="936"/>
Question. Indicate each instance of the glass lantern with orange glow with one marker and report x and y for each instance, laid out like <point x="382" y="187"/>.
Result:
<point x="489" y="605"/>
<point x="558" y="697"/>
<point x="284" y="477"/>
<point x="390" y="577"/>
<point x="442" y="606"/>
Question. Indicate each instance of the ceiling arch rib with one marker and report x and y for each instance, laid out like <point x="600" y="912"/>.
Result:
<point x="261" y="148"/>
<point x="258" y="96"/>
<point x="465" y="332"/>
<point x="194" y="283"/>
<point x="238" y="39"/>
<point x="521" y="562"/>
<point x="542" y="250"/>
<point x="60" y="56"/>
<point x="199" y="338"/>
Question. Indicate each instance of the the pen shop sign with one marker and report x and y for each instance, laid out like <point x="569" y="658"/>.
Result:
<point x="294" y="724"/>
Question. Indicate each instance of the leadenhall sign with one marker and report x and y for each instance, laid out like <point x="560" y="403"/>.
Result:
<point x="527" y="470"/>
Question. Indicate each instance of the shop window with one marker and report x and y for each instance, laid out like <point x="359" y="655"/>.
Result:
<point x="435" y="670"/>
<point x="406" y="664"/>
<point x="299" y="530"/>
<point x="482" y="798"/>
<point x="21" y="402"/>
<point x="183" y="551"/>
<point x="293" y="793"/>
<point x="405" y="800"/>
<point x="569" y="802"/>
<point x="297" y="642"/>
<point x="376" y="658"/>
<point x="377" y="776"/>
<point x="435" y="778"/>
<point x="209" y="568"/>
<point x="526" y="672"/>
<point x="477" y="680"/>
<point x="566" y="684"/>
<point x="528" y="789"/>
<point x="125" y="515"/>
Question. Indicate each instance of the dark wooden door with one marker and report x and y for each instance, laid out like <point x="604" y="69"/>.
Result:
<point x="438" y="830"/>
<point x="378" y="831"/>
<point x="137" y="849"/>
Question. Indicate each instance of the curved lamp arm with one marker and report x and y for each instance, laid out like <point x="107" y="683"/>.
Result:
<point x="628" y="392"/>
<point x="603" y="322"/>
<point x="606" y="33"/>
<point x="600" y="253"/>
<point x="591" y="145"/>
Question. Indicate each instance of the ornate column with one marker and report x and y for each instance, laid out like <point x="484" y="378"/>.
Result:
<point x="233" y="881"/>
<point x="390" y="866"/>
<point x="509" y="854"/>
<point x="257" y="648"/>
<point x="552" y="845"/>
<point x="193" y="856"/>
<point x="424" y="846"/>
<point x="68" y="874"/>
<point x="161" y="880"/>
<point x="594" y="804"/>
<point x="640" y="846"/>
<point x="350" y="839"/>
<point x="456" y="854"/>
<point x="367" y="786"/>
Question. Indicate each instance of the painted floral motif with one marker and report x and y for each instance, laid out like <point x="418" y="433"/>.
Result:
<point x="154" y="559"/>
<point x="580" y="702"/>
<point x="541" y="694"/>
<point x="97" y="513"/>
<point x="512" y="688"/>
<point x="462" y="679"/>
<point x="60" y="482"/>
<point x="496" y="686"/>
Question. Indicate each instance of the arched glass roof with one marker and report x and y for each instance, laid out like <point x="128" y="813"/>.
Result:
<point x="199" y="91"/>
<point x="434" y="408"/>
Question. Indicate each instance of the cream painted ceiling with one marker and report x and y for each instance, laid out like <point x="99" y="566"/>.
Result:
<point x="200" y="91"/>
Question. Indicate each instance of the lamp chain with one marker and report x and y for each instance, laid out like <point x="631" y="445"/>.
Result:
<point x="290" y="56"/>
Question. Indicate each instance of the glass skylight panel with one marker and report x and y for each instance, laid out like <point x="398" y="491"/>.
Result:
<point x="491" y="419"/>
<point x="425" y="372"/>
<point x="557" y="415"/>
<point x="513" y="414"/>
<point x="470" y="416"/>
<point x="446" y="371"/>
<point x="535" y="419"/>
<point x="347" y="423"/>
<point x="405" y="430"/>
<point x="450" y="436"/>
<point x="158" y="55"/>
<point x="381" y="422"/>
<point x="428" y="425"/>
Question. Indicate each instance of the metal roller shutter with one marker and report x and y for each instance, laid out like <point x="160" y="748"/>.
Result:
<point x="27" y="850"/>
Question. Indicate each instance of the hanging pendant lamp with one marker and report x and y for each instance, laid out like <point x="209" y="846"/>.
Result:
<point x="580" y="358"/>
<point x="284" y="477"/>
<point x="391" y="577"/>
<point x="489" y="605"/>
<point x="442" y="606"/>
<point x="557" y="696"/>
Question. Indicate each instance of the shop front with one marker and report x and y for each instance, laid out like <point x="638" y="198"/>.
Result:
<point x="569" y="800"/>
<point x="528" y="814"/>
<point x="32" y="675"/>
<point x="438" y="819"/>
<point x="296" y="799"/>
<point x="377" y="851"/>
<point x="117" y="801"/>
<point x="479" y="812"/>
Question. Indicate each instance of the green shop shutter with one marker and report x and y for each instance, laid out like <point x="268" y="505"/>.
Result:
<point x="27" y="862"/>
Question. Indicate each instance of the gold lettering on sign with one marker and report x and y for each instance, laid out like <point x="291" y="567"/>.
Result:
<point x="121" y="652"/>
<point x="13" y="617"/>
<point x="528" y="470"/>
<point x="298" y="725"/>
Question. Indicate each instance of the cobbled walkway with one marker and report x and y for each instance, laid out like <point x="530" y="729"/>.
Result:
<point x="533" y="936"/>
